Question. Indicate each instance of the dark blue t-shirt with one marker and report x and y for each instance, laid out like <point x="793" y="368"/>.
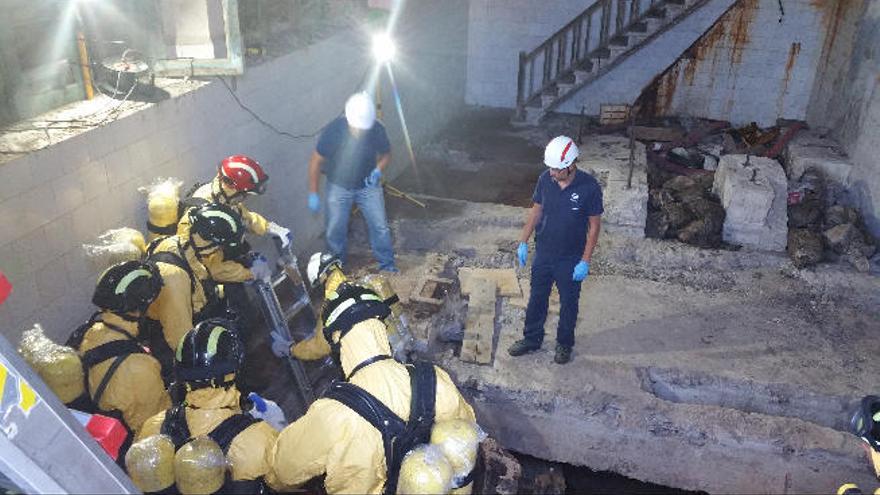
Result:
<point x="565" y="214"/>
<point x="350" y="160"/>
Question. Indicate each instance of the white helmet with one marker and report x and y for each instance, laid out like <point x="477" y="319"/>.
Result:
<point x="360" y="111"/>
<point x="319" y="264"/>
<point x="560" y="153"/>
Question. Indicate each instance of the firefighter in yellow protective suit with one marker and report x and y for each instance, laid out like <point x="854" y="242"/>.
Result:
<point x="120" y="374"/>
<point x="865" y="424"/>
<point x="206" y="363"/>
<point x="327" y="269"/>
<point x="189" y="292"/>
<point x="237" y="178"/>
<point x="352" y="445"/>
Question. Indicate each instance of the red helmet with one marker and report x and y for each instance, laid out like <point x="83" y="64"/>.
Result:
<point x="244" y="174"/>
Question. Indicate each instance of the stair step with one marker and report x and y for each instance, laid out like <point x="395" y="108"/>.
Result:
<point x="617" y="50"/>
<point x="637" y="38"/>
<point x="654" y="23"/>
<point x="547" y="100"/>
<point x="533" y="115"/>
<point x="565" y="87"/>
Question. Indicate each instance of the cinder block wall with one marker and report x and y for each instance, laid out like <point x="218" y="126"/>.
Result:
<point x="753" y="68"/>
<point x="54" y="200"/>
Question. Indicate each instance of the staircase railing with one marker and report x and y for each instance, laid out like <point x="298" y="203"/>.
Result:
<point x="573" y="44"/>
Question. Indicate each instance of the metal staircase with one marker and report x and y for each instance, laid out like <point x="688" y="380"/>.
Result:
<point x="589" y="46"/>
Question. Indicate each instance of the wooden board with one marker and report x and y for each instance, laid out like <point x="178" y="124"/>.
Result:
<point x="613" y="114"/>
<point x="476" y="347"/>
<point x="505" y="280"/>
<point x="522" y="302"/>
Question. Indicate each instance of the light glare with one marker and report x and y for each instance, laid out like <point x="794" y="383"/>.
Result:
<point x="383" y="48"/>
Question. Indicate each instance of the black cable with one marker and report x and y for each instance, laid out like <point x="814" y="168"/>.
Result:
<point x="267" y="124"/>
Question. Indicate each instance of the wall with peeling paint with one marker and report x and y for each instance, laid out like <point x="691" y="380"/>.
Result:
<point x="754" y="64"/>
<point x="853" y="115"/>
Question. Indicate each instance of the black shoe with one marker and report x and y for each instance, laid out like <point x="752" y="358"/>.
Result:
<point x="563" y="354"/>
<point x="521" y="347"/>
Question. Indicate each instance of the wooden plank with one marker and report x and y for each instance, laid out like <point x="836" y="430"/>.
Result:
<point x="476" y="346"/>
<point x="505" y="279"/>
<point x="522" y="302"/>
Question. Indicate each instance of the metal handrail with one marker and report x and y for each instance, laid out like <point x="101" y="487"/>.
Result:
<point x="575" y="43"/>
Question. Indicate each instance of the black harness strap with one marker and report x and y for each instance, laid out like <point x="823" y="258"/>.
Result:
<point x="118" y="349"/>
<point x="392" y="300"/>
<point x="175" y="427"/>
<point x="171" y="258"/>
<point x="398" y="436"/>
<point x="366" y="362"/>
<point x="170" y="229"/>
<point x="226" y="431"/>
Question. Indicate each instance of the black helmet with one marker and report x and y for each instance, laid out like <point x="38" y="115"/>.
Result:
<point x="866" y="421"/>
<point x="349" y="305"/>
<point x="127" y="286"/>
<point x="218" y="224"/>
<point x="209" y="352"/>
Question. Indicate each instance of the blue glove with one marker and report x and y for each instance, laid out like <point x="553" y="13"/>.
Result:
<point x="373" y="179"/>
<point x="314" y="202"/>
<point x="522" y="253"/>
<point x="259" y="402"/>
<point x="581" y="270"/>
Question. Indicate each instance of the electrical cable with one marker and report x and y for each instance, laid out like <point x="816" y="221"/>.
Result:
<point x="274" y="129"/>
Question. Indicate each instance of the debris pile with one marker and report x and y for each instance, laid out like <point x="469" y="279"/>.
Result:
<point x="684" y="208"/>
<point x="713" y="185"/>
<point x="819" y="232"/>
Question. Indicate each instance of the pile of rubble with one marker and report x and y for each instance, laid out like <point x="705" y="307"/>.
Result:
<point x="713" y="186"/>
<point x="820" y="232"/>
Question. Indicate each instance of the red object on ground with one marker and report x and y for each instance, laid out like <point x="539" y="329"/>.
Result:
<point x="788" y="136"/>
<point x="109" y="432"/>
<point x="5" y="288"/>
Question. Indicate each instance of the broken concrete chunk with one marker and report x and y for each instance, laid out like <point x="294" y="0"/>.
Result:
<point x="809" y="150"/>
<point x="804" y="247"/>
<point x="858" y="261"/>
<point x="838" y="214"/>
<point x="840" y="237"/>
<point x="753" y="191"/>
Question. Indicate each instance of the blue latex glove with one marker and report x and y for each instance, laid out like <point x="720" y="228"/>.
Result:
<point x="581" y="270"/>
<point x="259" y="402"/>
<point x="522" y="253"/>
<point x="374" y="177"/>
<point x="314" y="202"/>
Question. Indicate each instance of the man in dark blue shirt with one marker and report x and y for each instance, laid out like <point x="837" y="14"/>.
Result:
<point x="566" y="217"/>
<point x="353" y="151"/>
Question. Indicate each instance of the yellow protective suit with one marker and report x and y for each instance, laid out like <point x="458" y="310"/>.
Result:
<point x="249" y="453"/>
<point x="223" y="270"/>
<point x="331" y="438"/>
<point x="316" y="346"/>
<point x="136" y="388"/>
<point x="177" y="302"/>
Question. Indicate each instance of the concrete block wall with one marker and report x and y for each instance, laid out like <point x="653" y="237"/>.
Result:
<point x="54" y="200"/>
<point x="497" y="31"/>
<point x="848" y="103"/>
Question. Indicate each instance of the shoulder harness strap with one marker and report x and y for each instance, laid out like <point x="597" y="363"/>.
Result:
<point x="118" y="349"/>
<point x="226" y="431"/>
<point x="175" y="427"/>
<point x="172" y="258"/>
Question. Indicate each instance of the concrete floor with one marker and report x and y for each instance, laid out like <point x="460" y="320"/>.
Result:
<point x="722" y="371"/>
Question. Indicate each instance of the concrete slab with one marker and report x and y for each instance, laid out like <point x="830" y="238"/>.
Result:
<point x="626" y="202"/>
<point x="753" y="193"/>
<point x="723" y="371"/>
<point x="811" y="150"/>
<point x="504" y="279"/>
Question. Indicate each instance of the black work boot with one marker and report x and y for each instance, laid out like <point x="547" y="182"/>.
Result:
<point x="521" y="347"/>
<point x="563" y="354"/>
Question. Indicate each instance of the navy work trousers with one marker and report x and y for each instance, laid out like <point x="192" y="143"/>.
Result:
<point x="547" y="270"/>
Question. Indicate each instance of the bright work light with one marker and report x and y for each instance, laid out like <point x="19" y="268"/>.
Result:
<point x="383" y="48"/>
